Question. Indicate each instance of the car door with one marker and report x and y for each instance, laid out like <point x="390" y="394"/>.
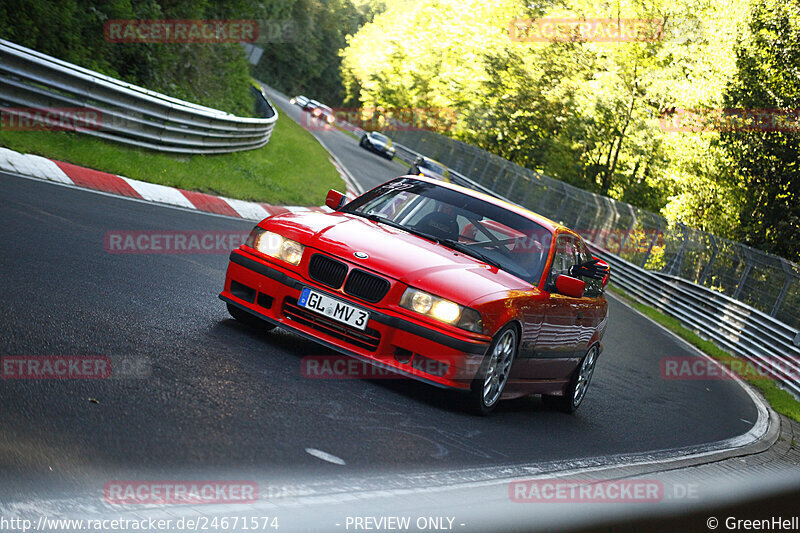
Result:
<point x="560" y="328"/>
<point x="554" y="348"/>
<point x="594" y="306"/>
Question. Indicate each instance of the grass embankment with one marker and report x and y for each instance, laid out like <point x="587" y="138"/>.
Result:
<point x="292" y="169"/>
<point x="780" y="400"/>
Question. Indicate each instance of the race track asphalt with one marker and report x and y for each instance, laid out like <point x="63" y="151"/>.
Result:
<point x="216" y="394"/>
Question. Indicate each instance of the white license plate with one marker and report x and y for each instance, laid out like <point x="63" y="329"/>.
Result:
<point x="333" y="308"/>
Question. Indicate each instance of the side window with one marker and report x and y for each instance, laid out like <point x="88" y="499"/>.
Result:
<point x="566" y="255"/>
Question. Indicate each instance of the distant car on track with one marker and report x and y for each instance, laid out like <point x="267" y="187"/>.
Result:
<point x="299" y="101"/>
<point x="378" y="143"/>
<point x="424" y="166"/>
<point x="435" y="282"/>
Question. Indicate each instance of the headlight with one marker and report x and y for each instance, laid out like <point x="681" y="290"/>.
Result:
<point x="442" y="310"/>
<point x="275" y="245"/>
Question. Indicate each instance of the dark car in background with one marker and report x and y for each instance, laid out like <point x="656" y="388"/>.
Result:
<point x="429" y="168"/>
<point x="378" y="143"/>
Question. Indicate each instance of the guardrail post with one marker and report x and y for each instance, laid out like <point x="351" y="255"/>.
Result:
<point x="543" y="201"/>
<point x="745" y="273"/>
<point x="513" y="183"/>
<point x="650" y="247"/>
<point x="707" y="268"/>
<point x="632" y="225"/>
<point x="485" y="170"/>
<point x="673" y="268"/>
<point x="459" y="159"/>
<point x="557" y="217"/>
<point x="576" y="226"/>
<point x="472" y="164"/>
<point x="528" y="189"/>
<point x="784" y="290"/>
<point x="497" y="178"/>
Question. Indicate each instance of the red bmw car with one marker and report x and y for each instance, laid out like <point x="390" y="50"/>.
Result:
<point x="435" y="282"/>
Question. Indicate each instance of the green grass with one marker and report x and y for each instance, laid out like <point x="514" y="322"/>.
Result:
<point x="780" y="400"/>
<point x="292" y="169"/>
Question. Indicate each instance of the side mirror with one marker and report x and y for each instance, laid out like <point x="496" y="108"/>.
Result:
<point x="335" y="199"/>
<point x="569" y="286"/>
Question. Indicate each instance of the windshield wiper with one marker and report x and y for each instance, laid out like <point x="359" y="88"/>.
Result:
<point x="464" y="249"/>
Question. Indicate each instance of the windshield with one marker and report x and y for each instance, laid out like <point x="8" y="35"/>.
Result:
<point x="470" y="225"/>
<point x="380" y="137"/>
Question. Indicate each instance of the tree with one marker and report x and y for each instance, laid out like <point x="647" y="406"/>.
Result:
<point x="307" y="59"/>
<point x="765" y="157"/>
<point x="212" y="74"/>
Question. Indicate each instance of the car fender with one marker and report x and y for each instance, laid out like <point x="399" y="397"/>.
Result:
<point x="500" y="308"/>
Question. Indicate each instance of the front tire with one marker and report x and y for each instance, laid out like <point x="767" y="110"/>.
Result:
<point x="488" y="385"/>
<point x="363" y="142"/>
<point x="248" y="318"/>
<point x="578" y="385"/>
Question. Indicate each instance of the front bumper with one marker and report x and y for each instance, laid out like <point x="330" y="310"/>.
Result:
<point x="391" y="341"/>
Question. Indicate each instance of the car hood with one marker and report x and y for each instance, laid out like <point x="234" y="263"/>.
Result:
<point x="397" y="254"/>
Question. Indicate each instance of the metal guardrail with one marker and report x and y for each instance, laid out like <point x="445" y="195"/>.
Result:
<point x="729" y="323"/>
<point x="764" y="281"/>
<point x="772" y="345"/>
<point x="129" y="114"/>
